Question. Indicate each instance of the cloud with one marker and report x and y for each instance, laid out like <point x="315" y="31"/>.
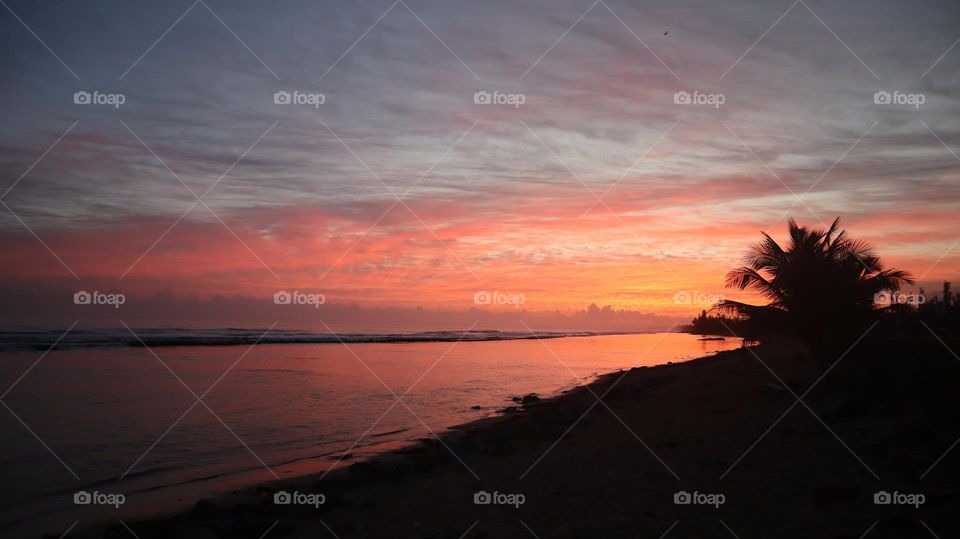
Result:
<point x="492" y="196"/>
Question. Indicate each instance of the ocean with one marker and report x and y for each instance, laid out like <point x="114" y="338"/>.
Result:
<point x="108" y="412"/>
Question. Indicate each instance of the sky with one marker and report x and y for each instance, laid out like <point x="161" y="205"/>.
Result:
<point x="392" y="188"/>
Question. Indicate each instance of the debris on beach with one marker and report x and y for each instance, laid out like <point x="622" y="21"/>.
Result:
<point x="527" y="399"/>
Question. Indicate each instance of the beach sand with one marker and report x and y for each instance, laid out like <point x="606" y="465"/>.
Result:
<point x="876" y="421"/>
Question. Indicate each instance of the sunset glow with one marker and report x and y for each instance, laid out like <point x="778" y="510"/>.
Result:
<point x="400" y="190"/>
<point x="479" y="269"/>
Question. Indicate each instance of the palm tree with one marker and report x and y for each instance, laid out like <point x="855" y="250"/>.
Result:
<point x="822" y="286"/>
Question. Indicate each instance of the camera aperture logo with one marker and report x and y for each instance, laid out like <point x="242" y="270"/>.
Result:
<point x="484" y="97"/>
<point x="883" y="97"/>
<point x="683" y="497"/>
<point x="897" y="298"/>
<point x="98" y="298"/>
<point x="697" y="98"/>
<point x="84" y="97"/>
<point x="299" y="498"/>
<point x="299" y="298"/>
<point x="883" y="497"/>
<point x="695" y="297"/>
<point x="83" y="497"/>
<point x="483" y="497"/>
<point x="283" y="97"/>
<point x="484" y="297"/>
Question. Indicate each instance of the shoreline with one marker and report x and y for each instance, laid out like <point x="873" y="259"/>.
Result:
<point x="389" y="453"/>
<point x="167" y="489"/>
<point x="686" y="426"/>
<point x="176" y="500"/>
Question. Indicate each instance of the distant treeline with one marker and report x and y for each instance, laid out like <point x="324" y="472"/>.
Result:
<point x="938" y="312"/>
<point x="704" y="324"/>
<point x="897" y="313"/>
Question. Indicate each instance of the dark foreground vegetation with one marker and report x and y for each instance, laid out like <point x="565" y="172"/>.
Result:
<point x="826" y="288"/>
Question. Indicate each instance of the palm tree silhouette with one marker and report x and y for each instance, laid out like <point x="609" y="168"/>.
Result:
<point x="822" y="286"/>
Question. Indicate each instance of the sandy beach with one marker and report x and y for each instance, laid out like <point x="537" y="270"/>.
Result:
<point x="724" y="430"/>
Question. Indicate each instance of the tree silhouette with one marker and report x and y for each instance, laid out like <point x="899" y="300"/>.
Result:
<point x="822" y="286"/>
